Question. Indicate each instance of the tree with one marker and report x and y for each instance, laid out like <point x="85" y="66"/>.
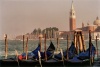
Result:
<point x="39" y="31"/>
<point x="51" y="32"/>
<point x="35" y="31"/>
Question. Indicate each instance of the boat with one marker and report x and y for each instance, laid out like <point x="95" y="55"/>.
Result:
<point x="33" y="57"/>
<point x="20" y="59"/>
<point x="71" y="53"/>
<point x="10" y="62"/>
<point x="58" y="59"/>
<point x="49" y="51"/>
<point x="52" y="62"/>
<point x="49" y="54"/>
<point x="82" y="58"/>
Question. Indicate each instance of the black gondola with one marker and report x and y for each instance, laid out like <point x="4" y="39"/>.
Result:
<point x="57" y="60"/>
<point x="52" y="62"/>
<point x="82" y="58"/>
<point x="33" y="58"/>
<point x="18" y="61"/>
<point x="9" y="63"/>
<point x="71" y="53"/>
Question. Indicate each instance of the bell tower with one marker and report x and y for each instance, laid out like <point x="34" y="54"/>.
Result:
<point x="72" y="18"/>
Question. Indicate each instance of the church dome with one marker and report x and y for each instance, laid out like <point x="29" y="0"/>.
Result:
<point x="97" y="21"/>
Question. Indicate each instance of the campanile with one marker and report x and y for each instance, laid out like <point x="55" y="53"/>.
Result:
<point x="72" y="18"/>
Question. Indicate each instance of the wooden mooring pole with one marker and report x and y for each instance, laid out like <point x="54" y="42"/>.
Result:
<point x="57" y="44"/>
<point x="27" y="48"/>
<point x="77" y="43"/>
<point x="83" y="44"/>
<point x="90" y="44"/>
<point x="75" y="38"/>
<point x="97" y="47"/>
<point x="80" y="42"/>
<point x="45" y="48"/>
<point x="67" y="47"/>
<point x="40" y="42"/>
<point x="6" y="46"/>
<point x="23" y="43"/>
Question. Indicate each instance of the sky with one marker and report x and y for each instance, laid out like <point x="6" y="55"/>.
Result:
<point x="18" y="17"/>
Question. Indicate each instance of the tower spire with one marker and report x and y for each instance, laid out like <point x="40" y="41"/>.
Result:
<point x="72" y="7"/>
<point x="72" y="11"/>
<point x="72" y="18"/>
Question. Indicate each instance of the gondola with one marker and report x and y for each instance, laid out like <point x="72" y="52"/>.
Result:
<point x="71" y="53"/>
<point x="52" y="62"/>
<point x="34" y="54"/>
<point x="10" y="62"/>
<point x="33" y="57"/>
<point x="20" y="60"/>
<point x="58" y="60"/>
<point x="49" y="52"/>
<point x="82" y="58"/>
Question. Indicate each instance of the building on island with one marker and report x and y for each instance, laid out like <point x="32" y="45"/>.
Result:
<point x="95" y="28"/>
<point x="51" y="33"/>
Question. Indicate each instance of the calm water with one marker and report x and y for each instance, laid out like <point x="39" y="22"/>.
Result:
<point x="32" y="44"/>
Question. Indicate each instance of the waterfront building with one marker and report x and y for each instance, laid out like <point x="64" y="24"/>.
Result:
<point x="95" y="27"/>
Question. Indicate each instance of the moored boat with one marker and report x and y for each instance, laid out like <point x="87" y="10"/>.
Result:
<point x="33" y="57"/>
<point x="82" y="59"/>
<point x="8" y="62"/>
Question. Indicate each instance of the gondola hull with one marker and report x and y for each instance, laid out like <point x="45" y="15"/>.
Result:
<point x="28" y="63"/>
<point x="22" y="63"/>
<point x="8" y="63"/>
<point x="81" y="63"/>
<point x="52" y="63"/>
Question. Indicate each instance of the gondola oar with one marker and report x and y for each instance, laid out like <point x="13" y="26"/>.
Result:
<point x="16" y="52"/>
<point x="39" y="55"/>
<point x="61" y="54"/>
<point x="40" y="41"/>
<point x="6" y="46"/>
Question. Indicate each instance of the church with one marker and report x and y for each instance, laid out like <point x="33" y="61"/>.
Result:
<point x="95" y="28"/>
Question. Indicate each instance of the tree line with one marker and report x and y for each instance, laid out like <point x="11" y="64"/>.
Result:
<point x="50" y="32"/>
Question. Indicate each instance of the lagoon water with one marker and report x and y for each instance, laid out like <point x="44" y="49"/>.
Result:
<point x="32" y="44"/>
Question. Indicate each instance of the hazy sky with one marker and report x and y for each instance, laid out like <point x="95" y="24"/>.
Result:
<point x="23" y="16"/>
